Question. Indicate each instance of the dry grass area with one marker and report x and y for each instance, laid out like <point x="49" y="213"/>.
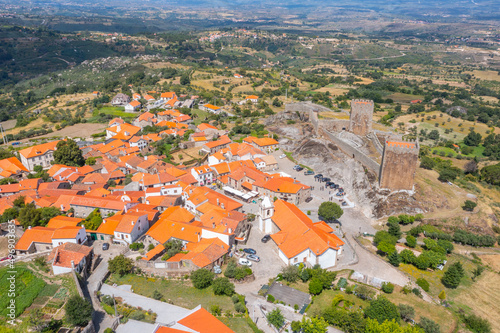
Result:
<point x="333" y="91"/>
<point x="450" y="83"/>
<point x="334" y="115"/>
<point x="482" y="297"/>
<point x="490" y="99"/>
<point x="35" y="123"/>
<point x="364" y="80"/>
<point x="486" y="75"/>
<point x="404" y="98"/>
<point x="155" y="65"/>
<point x="76" y="131"/>
<point x="437" y="313"/>
<point x="492" y="260"/>
<point x="186" y="154"/>
<point x="453" y="124"/>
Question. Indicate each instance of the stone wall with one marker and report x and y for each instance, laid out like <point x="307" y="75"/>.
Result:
<point x="354" y="153"/>
<point x="360" y="120"/>
<point x="398" y="169"/>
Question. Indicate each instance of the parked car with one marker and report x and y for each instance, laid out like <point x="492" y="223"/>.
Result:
<point x="244" y="262"/>
<point x="105" y="246"/>
<point x="344" y="203"/>
<point x="329" y="183"/>
<point x="332" y="186"/>
<point x="265" y="239"/>
<point x="325" y="179"/>
<point x="249" y="251"/>
<point x="282" y="156"/>
<point x="295" y="167"/>
<point x="309" y="199"/>
<point x="253" y="257"/>
<point x="299" y="168"/>
<point x="318" y="176"/>
<point x="308" y="172"/>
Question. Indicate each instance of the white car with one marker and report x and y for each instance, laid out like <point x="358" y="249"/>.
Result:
<point x="245" y="262"/>
<point x="282" y="156"/>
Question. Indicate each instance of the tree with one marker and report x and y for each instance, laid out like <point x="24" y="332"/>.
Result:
<point x="386" y="247"/>
<point x="429" y="326"/>
<point x="394" y="259"/>
<point x="407" y="312"/>
<point x="330" y="211"/>
<point x="276" y="318"/>
<point x="473" y="139"/>
<point x="202" y="278"/>
<point x="93" y="221"/>
<point x="68" y="153"/>
<point x="313" y="325"/>
<point x="447" y="175"/>
<point x="222" y="286"/>
<point x="411" y="241"/>
<point x="382" y="309"/>
<point x="29" y="216"/>
<point x="387" y="287"/>
<point x="295" y="326"/>
<point x="373" y="326"/>
<point x="230" y="269"/>
<point x="394" y="230"/>
<point x="185" y="79"/>
<point x="469" y="205"/>
<point x="315" y="286"/>
<point x="157" y="295"/>
<point x="120" y="265"/>
<point x="78" y="311"/>
<point x="427" y="162"/>
<point x="491" y="174"/>
<point x="407" y="256"/>
<point x="477" y="324"/>
<point x="290" y="273"/>
<point x="172" y="247"/>
<point x="470" y="167"/>
<point x="422" y="283"/>
<point x="453" y="276"/>
<point x="442" y="295"/>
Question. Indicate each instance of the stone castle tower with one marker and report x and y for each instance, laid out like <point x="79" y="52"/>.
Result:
<point x="360" y="120"/>
<point x="399" y="163"/>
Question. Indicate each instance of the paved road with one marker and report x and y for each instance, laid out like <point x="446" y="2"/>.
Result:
<point x="101" y="320"/>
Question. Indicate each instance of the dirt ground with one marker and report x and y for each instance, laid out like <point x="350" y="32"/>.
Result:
<point x="3" y="247"/>
<point x="76" y="131"/>
<point x="483" y="297"/>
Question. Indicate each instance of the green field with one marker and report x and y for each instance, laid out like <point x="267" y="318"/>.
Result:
<point x="199" y="115"/>
<point x="179" y="292"/>
<point x="116" y="111"/>
<point x="27" y="288"/>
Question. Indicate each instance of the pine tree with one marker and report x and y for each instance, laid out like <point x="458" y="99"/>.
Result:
<point x="394" y="259"/>
<point x="453" y="275"/>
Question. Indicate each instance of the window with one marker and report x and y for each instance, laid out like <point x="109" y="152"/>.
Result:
<point x="295" y="259"/>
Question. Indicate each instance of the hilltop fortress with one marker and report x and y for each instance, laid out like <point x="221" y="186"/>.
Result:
<point x="399" y="158"/>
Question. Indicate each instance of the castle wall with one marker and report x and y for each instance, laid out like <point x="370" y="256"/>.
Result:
<point x="398" y="169"/>
<point x="361" y="117"/>
<point x="334" y="125"/>
<point x="354" y="153"/>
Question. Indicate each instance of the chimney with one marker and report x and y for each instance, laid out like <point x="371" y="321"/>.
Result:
<point x="213" y="225"/>
<point x="62" y="207"/>
<point x="230" y="230"/>
<point x="217" y="201"/>
<point x="73" y="264"/>
<point x="125" y="208"/>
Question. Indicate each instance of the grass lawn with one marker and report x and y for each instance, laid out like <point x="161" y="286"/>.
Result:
<point x="238" y="324"/>
<point x="181" y="293"/>
<point x="437" y="313"/>
<point x="324" y="300"/>
<point x="117" y="111"/>
<point x="434" y="277"/>
<point x="198" y="116"/>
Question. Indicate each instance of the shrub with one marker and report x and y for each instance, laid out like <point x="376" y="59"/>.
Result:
<point x="315" y="286"/>
<point x="417" y="292"/>
<point x="150" y="247"/>
<point x="407" y="312"/>
<point x="290" y="273"/>
<point x="387" y="287"/>
<point x="120" y="265"/>
<point x="240" y="307"/>
<point x="202" y="278"/>
<point x="157" y="295"/>
<point x="442" y="295"/>
<point x="477" y="324"/>
<point x="276" y="318"/>
<point x="222" y="286"/>
<point x="137" y="315"/>
<point x="394" y="259"/>
<point x="382" y="309"/>
<point x="364" y="292"/>
<point x="108" y="300"/>
<point x="78" y="311"/>
<point x="136" y="246"/>
<point x="429" y="326"/>
<point x="422" y="283"/>
<point x="215" y="310"/>
<point x="469" y="205"/>
<point x="411" y="241"/>
<point x="270" y="298"/>
<point x="235" y="299"/>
